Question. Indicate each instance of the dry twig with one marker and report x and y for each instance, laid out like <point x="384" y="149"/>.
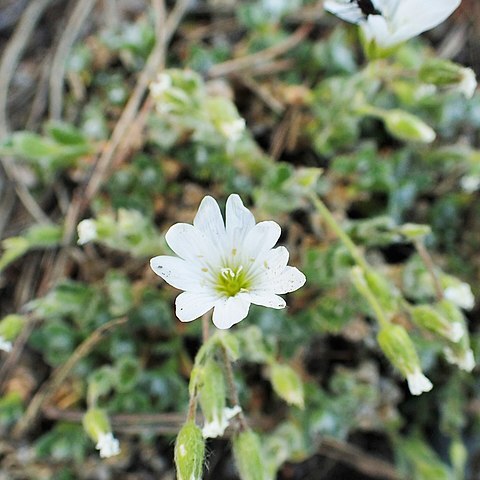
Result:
<point x="57" y="74"/>
<point x="49" y="388"/>
<point x="10" y="59"/>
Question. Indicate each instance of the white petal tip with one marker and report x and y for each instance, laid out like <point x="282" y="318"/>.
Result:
<point x="108" y="445"/>
<point x="418" y="383"/>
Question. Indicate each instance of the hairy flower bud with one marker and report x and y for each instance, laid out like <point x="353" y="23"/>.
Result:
<point x="408" y="127"/>
<point x="97" y="426"/>
<point x="189" y="452"/>
<point x="445" y="73"/>
<point x="399" y="349"/>
<point x="248" y="458"/>
<point x="429" y="318"/>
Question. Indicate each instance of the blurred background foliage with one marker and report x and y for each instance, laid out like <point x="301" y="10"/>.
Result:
<point x="290" y="114"/>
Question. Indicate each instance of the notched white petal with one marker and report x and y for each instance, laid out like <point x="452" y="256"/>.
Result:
<point x="177" y="272"/>
<point x="289" y="280"/>
<point x="188" y="242"/>
<point x="209" y="220"/>
<point x="190" y="306"/>
<point x="230" y="310"/>
<point x="261" y="238"/>
<point x="266" y="299"/>
<point x="239" y="219"/>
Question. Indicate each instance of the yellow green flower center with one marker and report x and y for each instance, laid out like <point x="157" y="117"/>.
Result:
<point x="232" y="281"/>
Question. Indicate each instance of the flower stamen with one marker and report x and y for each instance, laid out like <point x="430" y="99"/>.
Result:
<point x="232" y="281"/>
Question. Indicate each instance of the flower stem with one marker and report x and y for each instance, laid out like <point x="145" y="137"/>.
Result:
<point x="335" y="227"/>
<point x="232" y="389"/>
<point x="365" y="290"/>
<point x="428" y="262"/>
<point x="205" y="327"/>
<point x="192" y="407"/>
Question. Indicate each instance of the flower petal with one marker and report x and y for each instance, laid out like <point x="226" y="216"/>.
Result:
<point x="178" y="273"/>
<point x="261" y="238"/>
<point x="209" y="221"/>
<point x="276" y="260"/>
<point x="266" y="299"/>
<point x="239" y="220"/>
<point x="189" y="243"/>
<point x="230" y="310"/>
<point x="191" y="305"/>
<point x="289" y="280"/>
<point x="346" y="11"/>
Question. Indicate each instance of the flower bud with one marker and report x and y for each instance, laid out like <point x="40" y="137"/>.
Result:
<point x="224" y="117"/>
<point x="414" y="231"/>
<point x="97" y="426"/>
<point x="407" y="127"/>
<point x="248" y="457"/>
<point x="189" y="452"/>
<point x="460" y="354"/>
<point x="399" y="349"/>
<point x="10" y="327"/>
<point x="212" y="393"/>
<point x="460" y="293"/>
<point x="287" y="384"/>
<point x="444" y="73"/>
<point x="429" y="318"/>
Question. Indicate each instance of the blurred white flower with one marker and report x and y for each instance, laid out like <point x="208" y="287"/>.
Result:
<point x="470" y="183"/>
<point x="461" y="295"/>
<point x="5" y="345"/>
<point x="233" y="129"/>
<point x="464" y="360"/>
<point x="457" y="331"/>
<point x="468" y="82"/>
<point x="161" y="85"/>
<point x="108" y="445"/>
<point x="87" y="231"/>
<point x="228" y="266"/>
<point x="418" y="383"/>
<point x="218" y="425"/>
<point x="390" y="22"/>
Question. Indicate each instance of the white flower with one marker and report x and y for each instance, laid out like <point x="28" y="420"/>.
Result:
<point x="87" y="231"/>
<point x="218" y="425"/>
<point x="163" y="83"/>
<point x="233" y="129"/>
<point x="457" y="331"/>
<point x="390" y="22"/>
<point x="418" y="383"/>
<point x="468" y="83"/>
<point x="108" y="445"/>
<point x="5" y="345"/>
<point x="465" y="361"/>
<point x="461" y="295"/>
<point x="226" y="267"/>
<point x="470" y="183"/>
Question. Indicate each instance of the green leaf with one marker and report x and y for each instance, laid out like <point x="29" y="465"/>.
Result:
<point x="65" y="133"/>
<point x="287" y="384"/>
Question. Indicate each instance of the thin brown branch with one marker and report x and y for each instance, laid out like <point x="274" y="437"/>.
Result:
<point x="164" y="28"/>
<point x="72" y="30"/>
<point x="232" y="388"/>
<point x="49" y="388"/>
<point x="358" y="459"/>
<point x="254" y="60"/>
<point x="8" y="64"/>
